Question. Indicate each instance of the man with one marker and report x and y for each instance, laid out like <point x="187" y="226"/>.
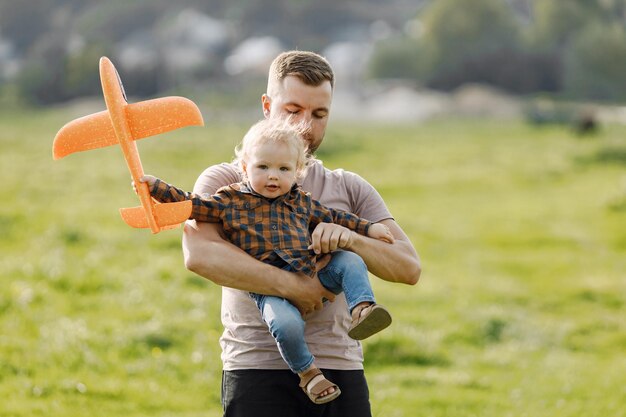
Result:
<point x="256" y="381"/>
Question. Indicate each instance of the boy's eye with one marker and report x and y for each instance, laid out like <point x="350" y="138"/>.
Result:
<point x="262" y="166"/>
<point x="284" y="169"/>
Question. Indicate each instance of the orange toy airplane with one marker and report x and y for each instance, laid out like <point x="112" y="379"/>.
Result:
<point x="123" y="123"/>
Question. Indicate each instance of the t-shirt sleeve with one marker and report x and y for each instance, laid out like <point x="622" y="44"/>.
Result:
<point x="366" y="202"/>
<point x="215" y="177"/>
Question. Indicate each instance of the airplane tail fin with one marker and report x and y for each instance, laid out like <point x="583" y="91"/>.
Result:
<point x="167" y="215"/>
<point x="145" y="119"/>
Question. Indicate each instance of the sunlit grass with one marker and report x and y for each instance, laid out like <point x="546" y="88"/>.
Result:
<point x="519" y="311"/>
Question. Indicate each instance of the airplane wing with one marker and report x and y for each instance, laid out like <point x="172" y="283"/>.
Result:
<point x="89" y="132"/>
<point x="145" y="119"/>
<point x="166" y="215"/>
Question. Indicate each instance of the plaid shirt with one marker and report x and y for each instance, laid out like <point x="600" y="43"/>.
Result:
<point x="275" y="231"/>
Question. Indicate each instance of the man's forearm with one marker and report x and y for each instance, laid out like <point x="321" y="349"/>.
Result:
<point x="207" y="254"/>
<point x="227" y="265"/>
<point x="397" y="262"/>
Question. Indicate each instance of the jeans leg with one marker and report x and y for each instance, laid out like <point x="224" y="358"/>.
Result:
<point x="348" y="273"/>
<point x="287" y="327"/>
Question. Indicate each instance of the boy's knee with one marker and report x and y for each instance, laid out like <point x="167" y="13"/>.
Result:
<point x="287" y="329"/>
<point x="349" y="260"/>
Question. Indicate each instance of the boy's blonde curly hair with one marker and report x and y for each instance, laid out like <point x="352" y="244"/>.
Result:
<point x="274" y="131"/>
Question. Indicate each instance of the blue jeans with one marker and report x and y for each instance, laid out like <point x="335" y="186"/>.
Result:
<point x="345" y="272"/>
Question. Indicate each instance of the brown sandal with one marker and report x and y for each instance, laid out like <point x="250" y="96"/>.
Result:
<point x="368" y="320"/>
<point x="318" y="384"/>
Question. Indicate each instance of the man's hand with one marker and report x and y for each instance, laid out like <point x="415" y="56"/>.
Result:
<point x="311" y="293"/>
<point x="328" y="237"/>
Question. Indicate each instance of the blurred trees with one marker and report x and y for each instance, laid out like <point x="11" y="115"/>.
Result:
<point x="478" y="43"/>
<point x="595" y="63"/>
<point x="56" y="41"/>
<point x="570" y="48"/>
<point x="574" y="48"/>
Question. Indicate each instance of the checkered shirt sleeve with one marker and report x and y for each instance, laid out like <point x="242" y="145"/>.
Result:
<point x="207" y="208"/>
<point x="323" y="214"/>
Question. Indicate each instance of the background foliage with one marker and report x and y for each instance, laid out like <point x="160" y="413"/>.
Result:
<point x="572" y="49"/>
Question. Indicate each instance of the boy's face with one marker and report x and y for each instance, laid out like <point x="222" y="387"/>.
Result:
<point x="271" y="169"/>
<point x="303" y="104"/>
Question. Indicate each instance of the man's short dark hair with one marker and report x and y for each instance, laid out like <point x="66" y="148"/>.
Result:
<point x="311" y="68"/>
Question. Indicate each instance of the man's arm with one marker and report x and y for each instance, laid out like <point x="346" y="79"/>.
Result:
<point x="208" y="254"/>
<point x="396" y="262"/>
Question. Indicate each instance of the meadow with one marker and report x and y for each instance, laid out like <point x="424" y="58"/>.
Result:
<point x="520" y="310"/>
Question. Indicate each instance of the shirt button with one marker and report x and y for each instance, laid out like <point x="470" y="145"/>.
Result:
<point x="274" y="227"/>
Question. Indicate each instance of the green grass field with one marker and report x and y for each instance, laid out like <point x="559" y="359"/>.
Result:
<point x="521" y="309"/>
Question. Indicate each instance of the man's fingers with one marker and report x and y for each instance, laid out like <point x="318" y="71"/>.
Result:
<point x="315" y="240"/>
<point x="329" y="295"/>
<point x="324" y="240"/>
<point x="344" y="239"/>
<point x="321" y="262"/>
<point x="303" y="308"/>
<point x="302" y="311"/>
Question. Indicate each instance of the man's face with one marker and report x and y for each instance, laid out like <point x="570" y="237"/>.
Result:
<point x="303" y="104"/>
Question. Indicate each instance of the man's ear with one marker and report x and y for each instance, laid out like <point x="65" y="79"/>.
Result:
<point x="266" y="101"/>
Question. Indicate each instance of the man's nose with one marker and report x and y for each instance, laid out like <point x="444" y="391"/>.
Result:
<point x="305" y="126"/>
<point x="302" y="122"/>
<point x="307" y="122"/>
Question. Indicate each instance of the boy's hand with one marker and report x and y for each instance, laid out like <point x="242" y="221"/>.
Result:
<point x="381" y="232"/>
<point x="328" y="237"/>
<point x="148" y="179"/>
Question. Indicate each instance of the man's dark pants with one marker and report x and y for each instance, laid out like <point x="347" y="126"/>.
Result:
<point x="275" y="393"/>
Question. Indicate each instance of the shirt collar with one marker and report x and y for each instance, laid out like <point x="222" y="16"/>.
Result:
<point x="247" y="189"/>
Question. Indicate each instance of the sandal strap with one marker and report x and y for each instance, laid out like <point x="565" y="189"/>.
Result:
<point x="315" y="383"/>
<point x="306" y="378"/>
<point x="319" y="384"/>
<point x="359" y="313"/>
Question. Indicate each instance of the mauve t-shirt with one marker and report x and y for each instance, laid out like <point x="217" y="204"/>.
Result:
<point x="246" y="342"/>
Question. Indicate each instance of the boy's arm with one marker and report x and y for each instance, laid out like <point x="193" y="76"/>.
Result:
<point x="323" y="214"/>
<point x="397" y="262"/>
<point x="166" y="193"/>
<point x="204" y="209"/>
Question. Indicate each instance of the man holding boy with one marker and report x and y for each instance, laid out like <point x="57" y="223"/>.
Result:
<point x="256" y="381"/>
